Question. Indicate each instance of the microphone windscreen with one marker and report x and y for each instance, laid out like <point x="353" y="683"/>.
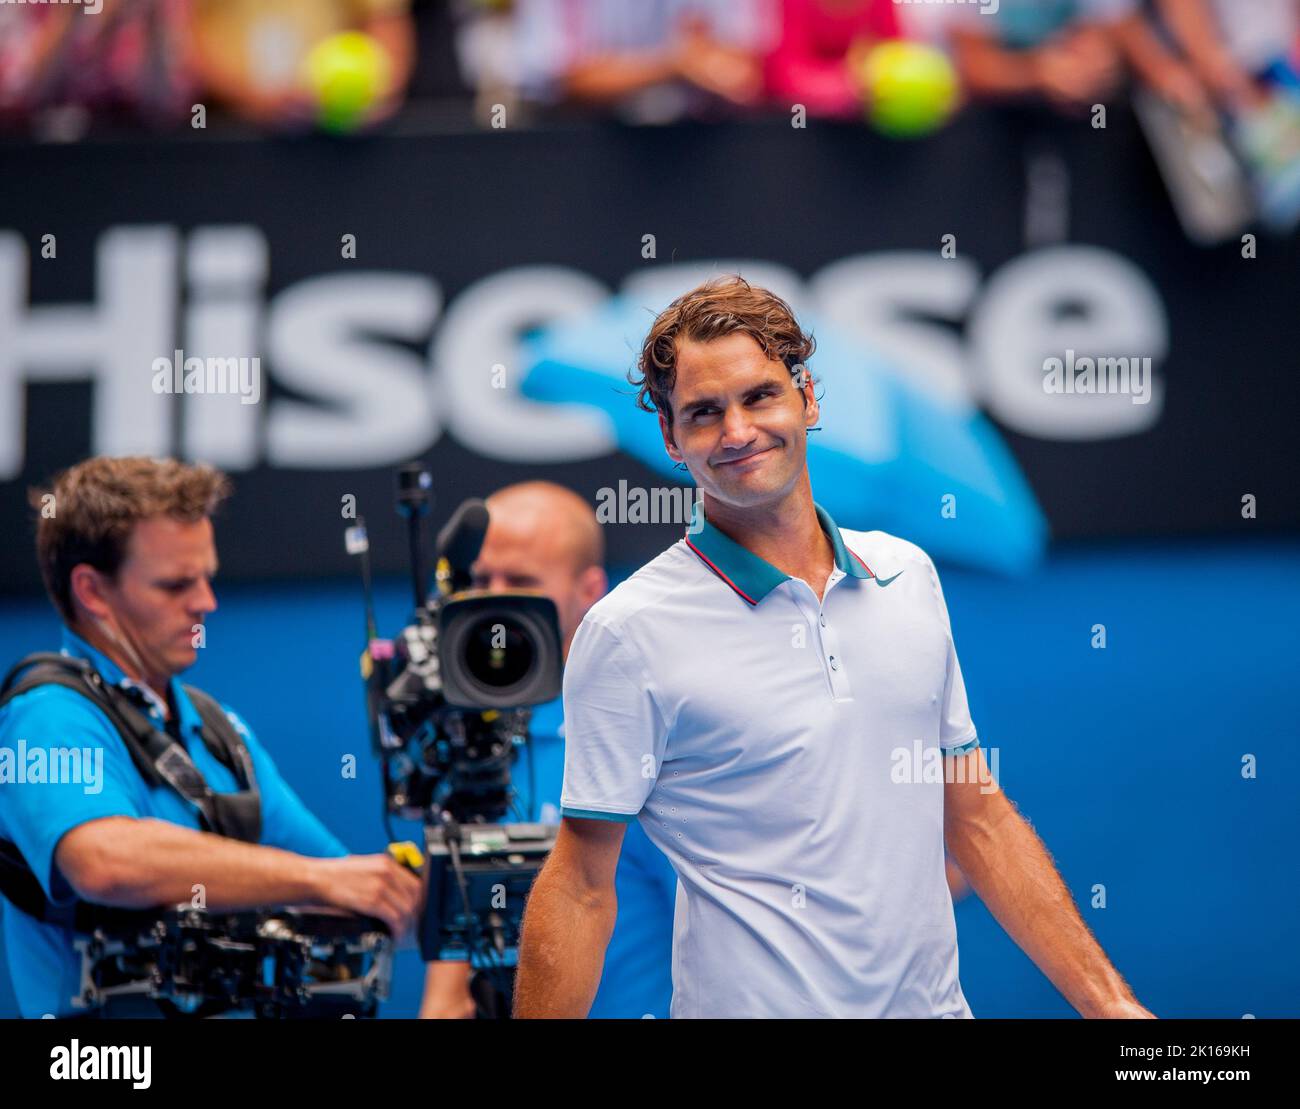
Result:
<point x="462" y="536"/>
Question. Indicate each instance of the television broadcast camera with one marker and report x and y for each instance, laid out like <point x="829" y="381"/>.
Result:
<point x="449" y="704"/>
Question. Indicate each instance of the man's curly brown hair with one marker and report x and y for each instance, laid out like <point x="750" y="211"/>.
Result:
<point x="720" y="306"/>
<point x="97" y="502"/>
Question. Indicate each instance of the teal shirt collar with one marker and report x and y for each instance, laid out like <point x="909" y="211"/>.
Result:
<point x="190" y="721"/>
<point x="749" y="575"/>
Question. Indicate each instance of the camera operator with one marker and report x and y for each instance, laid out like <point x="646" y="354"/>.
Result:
<point x="127" y="555"/>
<point x="544" y="537"/>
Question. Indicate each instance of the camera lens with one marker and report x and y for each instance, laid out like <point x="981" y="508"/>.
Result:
<point x="499" y="652"/>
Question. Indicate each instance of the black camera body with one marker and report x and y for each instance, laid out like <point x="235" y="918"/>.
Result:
<point x="450" y="721"/>
<point x="449" y="701"/>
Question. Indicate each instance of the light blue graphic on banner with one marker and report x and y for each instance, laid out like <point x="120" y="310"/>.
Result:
<point x="888" y="455"/>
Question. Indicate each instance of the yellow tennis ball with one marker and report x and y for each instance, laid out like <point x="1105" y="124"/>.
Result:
<point x="910" y="88"/>
<point x="347" y="73"/>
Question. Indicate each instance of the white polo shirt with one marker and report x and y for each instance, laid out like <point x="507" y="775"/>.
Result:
<point x="769" y="746"/>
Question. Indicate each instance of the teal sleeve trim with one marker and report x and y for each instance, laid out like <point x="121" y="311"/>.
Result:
<point x="590" y="814"/>
<point x="965" y="749"/>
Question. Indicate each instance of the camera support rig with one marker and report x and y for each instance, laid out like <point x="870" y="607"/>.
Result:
<point x="449" y="706"/>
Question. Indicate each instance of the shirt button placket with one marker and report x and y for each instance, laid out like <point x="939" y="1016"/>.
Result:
<point x="835" y="671"/>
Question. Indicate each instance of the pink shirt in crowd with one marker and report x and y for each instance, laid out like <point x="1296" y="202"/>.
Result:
<point x="807" y="67"/>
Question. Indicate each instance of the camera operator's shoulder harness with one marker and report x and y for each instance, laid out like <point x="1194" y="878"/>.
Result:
<point x="160" y="759"/>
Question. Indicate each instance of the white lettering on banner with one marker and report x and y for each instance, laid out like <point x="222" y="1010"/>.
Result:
<point x="380" y="409"/>
<point x="884" y="299"/>
<point x="483" y="329"/>
<point x="362" y="398"/>
<point x="1066" y="297"/>
<point x="110" y="342"/>
<point x="226" y="270"/>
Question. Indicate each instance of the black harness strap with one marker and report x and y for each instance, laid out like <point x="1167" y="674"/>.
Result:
<point x="159" y="758"/>
<point x="237" y="815"/>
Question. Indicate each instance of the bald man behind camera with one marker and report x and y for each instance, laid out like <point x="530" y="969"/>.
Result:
<point x="545" y="537"/>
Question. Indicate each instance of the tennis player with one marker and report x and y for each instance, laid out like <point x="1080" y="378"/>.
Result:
<point x="778" y="702"/>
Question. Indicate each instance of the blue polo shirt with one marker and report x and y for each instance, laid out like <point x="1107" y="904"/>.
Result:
<point x="36" y="814"/>
<point x="637" y="980"/>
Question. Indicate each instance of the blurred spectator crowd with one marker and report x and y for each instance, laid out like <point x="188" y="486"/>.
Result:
<point x="646" y="60"/>
<point x="1209" y="71"/>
